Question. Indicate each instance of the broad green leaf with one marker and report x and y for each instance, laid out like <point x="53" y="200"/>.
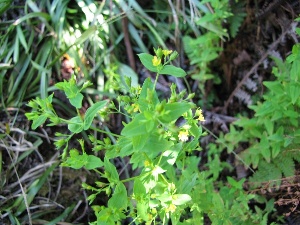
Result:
<point x="294" y="91"/>
<point x="139" y="188"/>
<point x="148" y="102"/>
<point x="39" y="121"/>
<point x="126" y="71"/>
<point x="180" y="199"/>
<point x="155" y="144"/>
<point x="146" y="60"/>
<point x="136" y="127"/>
<point x="142" y="209"/>
<point x="93" y="162"/>
<point x="173" y="111"/>
<point x="91" y="113"/>
<point x="119" y="198"/>
<point x="110" y="171"/>
<point x="139" y="141"/>
<point x="195" y="130"/>
<point x="77" y="101"/>
<point x="173" y="71"/>
<point x="269" y="126"/>
<point x="172" y="153"/>
<point x="75" y="124"/>
<point x="126" y="146"/>
<point x="76" y="161"/>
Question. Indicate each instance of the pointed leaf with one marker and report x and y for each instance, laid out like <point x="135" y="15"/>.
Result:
<point x="174" y="110"/>
<point x="173" y="70"/>
<point x="119" y="198"/>
<point x="39" y="121"/>
<point x="93" y="162"/>
<point x="75" y="125"/>
<point x="146" y="60"/>
<point x="91" y="113"/>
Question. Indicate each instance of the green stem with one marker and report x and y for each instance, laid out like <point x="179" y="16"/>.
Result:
<point x="105" y="132"/>
<point x="156" y="78"/>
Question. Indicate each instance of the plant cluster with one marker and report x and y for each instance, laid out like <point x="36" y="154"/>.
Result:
<point x="168" y="185"/>
<point x="272" y="134"/>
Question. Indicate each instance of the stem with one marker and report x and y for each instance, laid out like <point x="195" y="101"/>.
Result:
<point x="156" y="78"/>
<point x="105" y="132"/>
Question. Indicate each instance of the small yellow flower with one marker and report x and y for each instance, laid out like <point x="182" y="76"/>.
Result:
<point x="135" y="107"/>
<point x="146" y="163"/>
<point x="167" y="52"/>
<point x="200" y="115"/>
<point x="183" y="135"/>
<point x="171" y="208"/>
<point x="156" y="61"/>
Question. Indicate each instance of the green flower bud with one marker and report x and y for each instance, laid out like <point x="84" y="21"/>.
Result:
<point x="174" y="55"/>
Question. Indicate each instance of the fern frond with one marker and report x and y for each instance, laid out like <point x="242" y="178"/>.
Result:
<point x="267" y="173"/>
<point x="237" y="18"/>
<point x="285" y="164"/>
<point x="243" y="96"/>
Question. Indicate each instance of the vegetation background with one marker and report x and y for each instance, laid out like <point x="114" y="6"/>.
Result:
<point x="241" y="59"/>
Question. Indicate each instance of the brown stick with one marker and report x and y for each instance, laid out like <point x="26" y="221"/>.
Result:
<point x="128" y="46"/>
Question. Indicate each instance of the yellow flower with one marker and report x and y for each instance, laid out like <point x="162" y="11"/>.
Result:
<point x="200" y="115"/>
<point x="135" y="107"/>
<point x="171" y="208"/>
<point x="156" y="61"/>
<point x="183" y="135"/>
<point x="167" y="52"/>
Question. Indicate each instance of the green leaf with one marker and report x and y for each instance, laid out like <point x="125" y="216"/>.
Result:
<point x="265" y="148"/>
<point x="22" y="38"/>
<point x="142" y="209"/>
<point x="75" y="124"/>
<point x="72" y="92"/>
<point x="111" y="171"/>
<point x="173" y="70"/>
<point x="155" y="144"/>
<point x="39" y="121"/>
<point x="77" y="100"/>
<point x="139" y="188"/>
<point x="136" y="127"/>
<point x="139" y="141"/>
<point x="146" y="60"/>
<point x="4" y="5"/>
<point x="180" y="199"/>
<point x="119" y="198"/>
<point x="91" y="113"/>
<point x="39" y="15"/>
<point x="173" y="153"/>
<point x="93" y="162"/>
<point x="294" y="91"/>
<point x="148" y="97"/>
<point x="76" y="161"/>
<point x="173" y="111"/>
<point x="126" y="71"/>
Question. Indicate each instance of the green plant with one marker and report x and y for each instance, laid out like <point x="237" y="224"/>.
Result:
<point x="206" y="47"/>
<point x="272" y="134"/>
<point x="168" y="185"/>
